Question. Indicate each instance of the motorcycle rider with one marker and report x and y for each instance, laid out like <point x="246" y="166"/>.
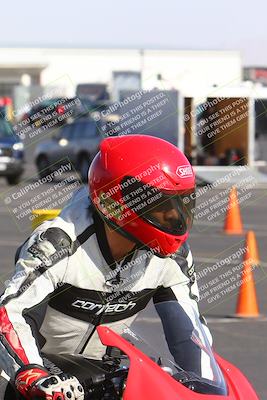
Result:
<point x="100" y="262"/>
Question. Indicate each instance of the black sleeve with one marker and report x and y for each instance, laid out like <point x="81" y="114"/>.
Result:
<point x="178" y="329"/>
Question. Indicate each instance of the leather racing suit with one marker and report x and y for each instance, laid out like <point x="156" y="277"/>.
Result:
<point x="66" y="282"/>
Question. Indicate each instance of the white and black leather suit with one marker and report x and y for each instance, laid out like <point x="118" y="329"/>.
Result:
<point x="65" y="271"/>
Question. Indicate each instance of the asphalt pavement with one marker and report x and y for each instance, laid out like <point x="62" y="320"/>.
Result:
<point x="217" y="258"/>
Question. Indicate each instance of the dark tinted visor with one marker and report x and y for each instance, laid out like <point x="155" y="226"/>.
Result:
<point x="171" y="213"/>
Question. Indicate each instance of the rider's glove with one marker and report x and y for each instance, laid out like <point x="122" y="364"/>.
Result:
<point x="34" y="381"/>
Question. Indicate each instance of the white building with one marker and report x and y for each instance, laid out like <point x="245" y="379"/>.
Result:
<point x="186" y="71"/>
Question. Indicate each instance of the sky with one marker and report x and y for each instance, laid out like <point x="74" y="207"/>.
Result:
<point x="165" y="24"/>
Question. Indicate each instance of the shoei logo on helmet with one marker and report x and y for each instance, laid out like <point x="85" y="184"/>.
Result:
<point x="184" y="171"/>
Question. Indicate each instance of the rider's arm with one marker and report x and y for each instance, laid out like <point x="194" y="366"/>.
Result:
<point x="39" y="270"/>
<point x="176" y="304"/>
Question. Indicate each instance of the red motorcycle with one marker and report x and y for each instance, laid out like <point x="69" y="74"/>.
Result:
<point x="147" y="380"/>
<point x="127" y="373"/>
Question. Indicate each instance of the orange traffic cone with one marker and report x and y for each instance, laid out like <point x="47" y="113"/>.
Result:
<point x="253" y="248"/>
<point x="247" y="304"/>
<point x="233" y="222"/>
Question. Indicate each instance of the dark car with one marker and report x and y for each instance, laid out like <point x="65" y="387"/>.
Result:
<point x="51" y="113"/>
<point x="77" y="142"/>
<point x="11" y="153"/>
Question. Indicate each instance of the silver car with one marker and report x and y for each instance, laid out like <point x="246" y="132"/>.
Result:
<point x="77" y="142"/>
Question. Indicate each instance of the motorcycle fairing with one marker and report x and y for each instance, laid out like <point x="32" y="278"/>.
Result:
<point x="147" y="381"/>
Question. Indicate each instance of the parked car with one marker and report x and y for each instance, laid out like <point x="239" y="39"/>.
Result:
<point x="52" y="113"/>
<point x="11" y="153"/>
<point x="77" y="142"/>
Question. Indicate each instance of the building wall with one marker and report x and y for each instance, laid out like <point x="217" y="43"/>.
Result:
<point x="183" y="70"/>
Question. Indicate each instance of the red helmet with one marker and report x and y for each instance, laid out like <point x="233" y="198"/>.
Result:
<point x="144" y="187"/>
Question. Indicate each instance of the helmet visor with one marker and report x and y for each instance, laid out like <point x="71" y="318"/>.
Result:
<point x="171" y="213"/>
